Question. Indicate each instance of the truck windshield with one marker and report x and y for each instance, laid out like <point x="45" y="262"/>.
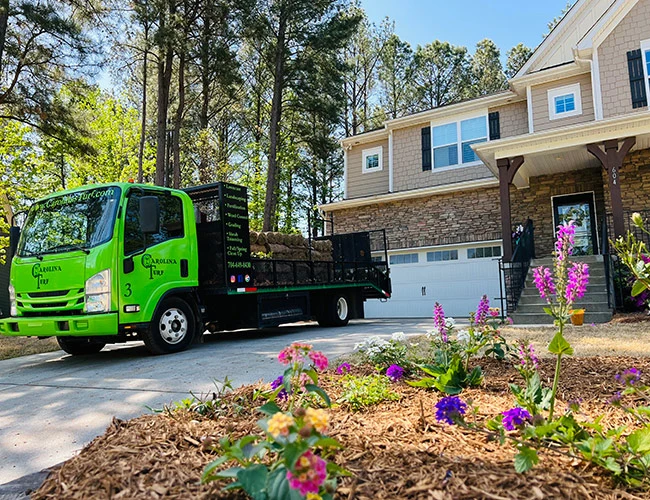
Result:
<point x="74" y="221"/>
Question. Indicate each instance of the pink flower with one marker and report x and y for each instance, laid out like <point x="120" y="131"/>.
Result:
<point x="319" y="360"/>
<point x="439" y="321"/>
<point x="483" y="309"/>
<point x="308" y="474"/>
<point x="565" y="240"/>
<point x="295" y="353"/>
<point x="544" y="282"/>
<point x="577" y="284"/>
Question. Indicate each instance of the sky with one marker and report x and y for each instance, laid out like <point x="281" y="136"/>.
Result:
<point x="466" y="22"/>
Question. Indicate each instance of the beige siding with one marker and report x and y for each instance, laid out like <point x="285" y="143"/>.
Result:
<point x="612" y="59"/>
<point x="407" y="164"/>
<point x="362" y="184"/>
<point x="539" y="95"/>
<point x="513" y="119"/>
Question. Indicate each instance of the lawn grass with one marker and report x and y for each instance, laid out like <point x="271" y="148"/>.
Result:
<point x="14" y="347"/>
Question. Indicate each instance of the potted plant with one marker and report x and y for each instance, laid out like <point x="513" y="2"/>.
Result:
<point x="577" y="316"/>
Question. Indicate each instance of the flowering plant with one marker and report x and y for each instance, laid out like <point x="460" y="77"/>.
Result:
<point x="533" y="396"/>
<point x="383" y="353"/>
<point x="561" y="289"/>
<point x="289" y="461"/>
<point x="634" y="255"/>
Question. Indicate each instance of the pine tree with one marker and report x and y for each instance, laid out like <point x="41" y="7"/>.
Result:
<point x="486" y="70"/>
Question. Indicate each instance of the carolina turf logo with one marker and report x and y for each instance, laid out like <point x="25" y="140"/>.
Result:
<point x="148" y="262"/>
<point x="39" y="272"/>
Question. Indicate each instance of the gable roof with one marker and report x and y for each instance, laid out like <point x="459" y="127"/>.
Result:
<point x="557" y="48"/>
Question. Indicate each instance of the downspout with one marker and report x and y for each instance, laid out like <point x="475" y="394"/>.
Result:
<point x="390" y="161"/>
<point x="595" y="83"/>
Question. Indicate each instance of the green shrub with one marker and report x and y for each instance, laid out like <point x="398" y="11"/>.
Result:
<point x="362" y="392"/>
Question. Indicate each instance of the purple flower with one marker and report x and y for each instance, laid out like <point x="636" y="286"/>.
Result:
<point x="439" y="321"/>
<point x="616" y="399"/>
<point x="574" y="405"/>
<point x="343" y="368"/>
<point x="282" y="395"/>
<point x="544" y="282"/>
<point x="527" y="356"/>
<point x="565" y="240"/>
<point x="449" y="409"/>
<point x="515" y="417"/>
<point x="483" y="309"/>
<point x="629" y="377"/>
<point x="395" y="372"/>
<point x="577" y="284"/>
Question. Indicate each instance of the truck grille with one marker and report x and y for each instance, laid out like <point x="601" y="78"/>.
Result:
<point x="51" y="303"/>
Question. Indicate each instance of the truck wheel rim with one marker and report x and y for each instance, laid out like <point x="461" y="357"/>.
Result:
<point x="342" y="308"/>
<point x="173" y="326"/>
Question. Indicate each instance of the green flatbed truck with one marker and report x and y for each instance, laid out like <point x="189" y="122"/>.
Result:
<point x="118" y="262"/>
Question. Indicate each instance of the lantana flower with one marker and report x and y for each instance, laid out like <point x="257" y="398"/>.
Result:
<point x="317" y="418"/>
<point x="449" y="408"/>
<point x="319" y="360"/>
<point x="515" y="417"/>
<point x="279" y="424"/>
<point x="309" y="473"/>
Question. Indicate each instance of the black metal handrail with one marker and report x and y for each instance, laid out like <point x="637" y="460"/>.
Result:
<point x="514" y="273"/>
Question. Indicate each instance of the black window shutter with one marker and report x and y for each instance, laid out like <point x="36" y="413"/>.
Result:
<point x="426" y="148"/>
<point x="637" y="85"/>
<point x="495" y="127"/>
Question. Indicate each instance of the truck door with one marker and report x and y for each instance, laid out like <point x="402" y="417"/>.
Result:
<point x="152" y="267"/>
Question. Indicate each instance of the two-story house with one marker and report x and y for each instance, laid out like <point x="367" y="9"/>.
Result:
<point x="569" y="139"/>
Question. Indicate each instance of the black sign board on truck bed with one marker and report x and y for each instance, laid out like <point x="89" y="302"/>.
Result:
<point x="233" y="202"/>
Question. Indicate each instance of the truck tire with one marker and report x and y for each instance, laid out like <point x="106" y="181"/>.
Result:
<point x="172" y="328"/>
<point x="78" y="346"/>
<point x="337" y="311"/>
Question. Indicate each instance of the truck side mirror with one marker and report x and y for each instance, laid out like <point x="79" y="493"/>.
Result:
<point x="149" y="214"/>
<point x="14" y="236"/>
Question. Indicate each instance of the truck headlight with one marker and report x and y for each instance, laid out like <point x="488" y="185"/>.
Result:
<point x="13" y="310"/>
<point x="98" y="292"/>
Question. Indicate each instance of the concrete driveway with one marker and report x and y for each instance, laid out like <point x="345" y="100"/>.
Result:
<point x="53" y="404"/>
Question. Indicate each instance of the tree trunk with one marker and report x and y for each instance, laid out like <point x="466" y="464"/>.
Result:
<point x="143" y="124"/>
<point x="4" y="18"/>
<point x="176" y="138"/>
<point x="273" y="177"/>
<point x="204" y="175"/>
<point x="165" y="60"/>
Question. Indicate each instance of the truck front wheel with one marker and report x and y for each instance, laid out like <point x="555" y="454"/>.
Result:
<point x="172" y="327"/>
<point x="80" y="345"/>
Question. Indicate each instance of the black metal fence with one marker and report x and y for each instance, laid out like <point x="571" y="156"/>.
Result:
<point x="514" y="272"/>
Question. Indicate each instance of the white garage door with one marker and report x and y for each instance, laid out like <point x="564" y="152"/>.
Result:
<point x="456" y="277"/>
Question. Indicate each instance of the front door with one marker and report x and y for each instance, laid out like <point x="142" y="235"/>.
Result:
<point x="580" y="209"/>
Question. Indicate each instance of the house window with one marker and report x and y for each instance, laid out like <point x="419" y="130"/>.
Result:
<point x="645" y="52"/>
<point x="564" y="101"/>
<point x="452" y="141"/>
<point x="482" y="252"/>
<point x="442" y="255"/>
<point x="405" y="258"/>
<point x="372" y="160"/>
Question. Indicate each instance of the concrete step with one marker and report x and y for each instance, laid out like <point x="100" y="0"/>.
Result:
<point x="598" y="282"/>
<point x="587" y="305"/>
<point x="533" y="299"/>
<point x="520" y="318"/>
<point x="549" y="261"/>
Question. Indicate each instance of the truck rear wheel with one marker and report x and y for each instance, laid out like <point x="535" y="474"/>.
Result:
<point x="337" y="311"/>
<point x="172" y="327"/>
<point x="78" y="346"/>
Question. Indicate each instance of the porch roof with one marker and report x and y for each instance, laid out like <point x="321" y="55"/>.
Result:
<point x="562" y="149"/>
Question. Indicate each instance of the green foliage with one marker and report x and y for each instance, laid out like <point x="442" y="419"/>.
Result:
<point x="486" y="70"/>
<point x="534" y="397"/>
<point x="277" y="465"/>
<point x="382" y="353"/>
<point x="516" y="58"/>
<point x="450" y="377"/>
<point x="361" y="392"/>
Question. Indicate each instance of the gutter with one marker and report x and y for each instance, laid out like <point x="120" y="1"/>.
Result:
<point x="413" y="193"/>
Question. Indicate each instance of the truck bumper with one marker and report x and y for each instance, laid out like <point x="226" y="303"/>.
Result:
<point x="59" y="326"/>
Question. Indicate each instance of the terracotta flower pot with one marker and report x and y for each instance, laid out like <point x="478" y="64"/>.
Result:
<point x="577" y="317"/>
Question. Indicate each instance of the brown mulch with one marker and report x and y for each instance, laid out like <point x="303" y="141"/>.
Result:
<point x="394" y="450"/>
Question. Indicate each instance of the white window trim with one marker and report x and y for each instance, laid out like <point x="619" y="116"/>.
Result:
<point x="559" y="91"/>
<point x="645" y="46"/>
<point x="371" y="152"/>
<point x="459" y="142"/>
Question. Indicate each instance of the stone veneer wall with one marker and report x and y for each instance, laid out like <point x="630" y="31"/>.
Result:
<point x="459" y="217"/>
<point x="535" y="202"/>
<point x="635" y="182"/>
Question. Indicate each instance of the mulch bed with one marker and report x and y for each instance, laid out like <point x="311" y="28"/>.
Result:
<point x="394" y="450"/>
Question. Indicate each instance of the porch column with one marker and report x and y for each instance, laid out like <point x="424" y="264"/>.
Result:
<point x="507" y="169"/>
<point x="612" y="160"/>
